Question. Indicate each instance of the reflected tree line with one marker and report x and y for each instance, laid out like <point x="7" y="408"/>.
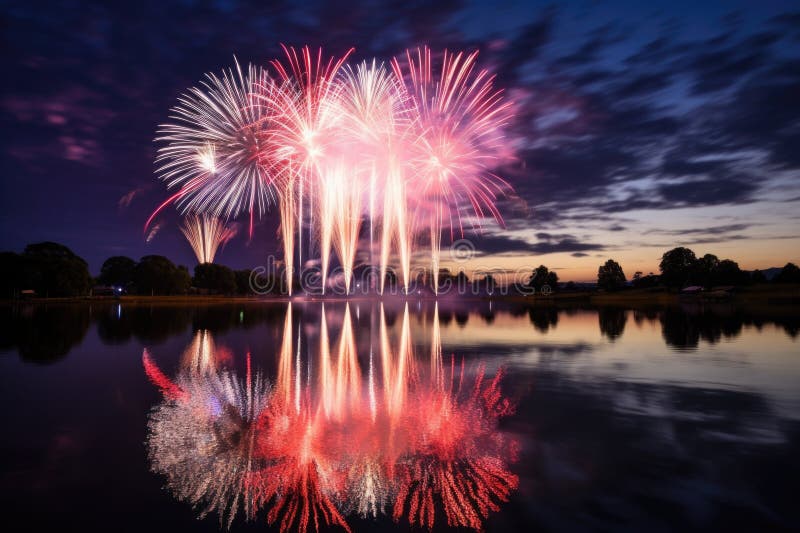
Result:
<point x="45" y="333"/>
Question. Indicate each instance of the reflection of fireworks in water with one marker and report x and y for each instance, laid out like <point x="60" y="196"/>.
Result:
<point x="457" y="457"/>
<point x="205" y="235"/>
<point x="316" y="448"/>
<point x="202" y="440"/>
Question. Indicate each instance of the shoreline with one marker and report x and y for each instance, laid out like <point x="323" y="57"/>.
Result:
<point x="788" y="294"/>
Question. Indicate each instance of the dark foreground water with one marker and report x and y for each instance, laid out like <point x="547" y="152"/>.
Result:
<point x="144" y="418"/>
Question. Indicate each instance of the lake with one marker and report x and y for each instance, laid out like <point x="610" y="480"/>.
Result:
<point x="259" y="416"/>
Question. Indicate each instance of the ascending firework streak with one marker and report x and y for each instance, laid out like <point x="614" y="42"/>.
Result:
<point x="205" y="235"/>
<point x="410" y="148"/>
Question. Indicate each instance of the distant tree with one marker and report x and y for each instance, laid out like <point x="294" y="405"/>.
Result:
<point x="790" y="273"/>
<point x="706" y="271"/>
<point x="644" y="282"/>
<point x="117" y="270"/>
<point x="243" y="281"/>
<point x="610" y="276"/>
<point x="542" y="276"/>
<point x="462" y="281"/>
<point x="52" y="269"/>
<point x="181" y="280"/>
<point x="677" y="266"/>
<point x="756" y="276"/>
<point x="155" y="274"/>
<point x="488" y="283"/>
<point x="445" y="280"/>
<point x="12" y="269"/>
<point x="215" y="278"/>
<point x="729" y="273"/>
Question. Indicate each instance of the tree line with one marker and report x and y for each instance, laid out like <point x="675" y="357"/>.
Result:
<point x="53" y="270"/>
<point x="680" y="268"/>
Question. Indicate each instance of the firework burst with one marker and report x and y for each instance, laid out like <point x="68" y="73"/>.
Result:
<point x="460" y="142"/>
<point x="206" y="234"/>
<point x="412" y="149"/>
<point x="213" y="149"/>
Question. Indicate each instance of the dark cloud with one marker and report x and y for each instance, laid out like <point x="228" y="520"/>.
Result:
<point x="547" y="244"/>
<point x="709" y="192"/>
<point x="597" y="41"/>
<point x="527" y="45"/>
<point x="711" y="230"/>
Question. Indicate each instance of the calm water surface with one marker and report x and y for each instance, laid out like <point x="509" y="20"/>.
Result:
<point x="138" y="417"/>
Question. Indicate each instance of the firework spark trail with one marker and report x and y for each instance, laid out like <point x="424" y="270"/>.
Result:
<point x="168" y="387"/>
<point x="206" y="234"/>
<point x="348" y="221"/>
<point x="378" y="119"/>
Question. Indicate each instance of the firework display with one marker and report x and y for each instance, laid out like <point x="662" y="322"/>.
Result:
<point x="411" y="441"/>
<point x="406" y="151"/>
<point x="205" y="235"/>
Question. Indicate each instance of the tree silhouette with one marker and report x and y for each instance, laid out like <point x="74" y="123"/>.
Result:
<point x="213" y="277"/>
<point x="155" y="274"/>
<point x="117" y="270"/>
<point x="677" y="266"/>
<point x="52" y="269"/>
<point x="790" y="273"/>
<point x="757" y="277"/>
<point x="610" y="276"/>
<point x="705" y="270"/>
<point x="12" y="270"/>
<point x="542" y="276"/>
<point x="729" y="273"/>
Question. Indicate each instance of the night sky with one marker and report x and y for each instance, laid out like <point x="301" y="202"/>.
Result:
<point x="641" y="125"/>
